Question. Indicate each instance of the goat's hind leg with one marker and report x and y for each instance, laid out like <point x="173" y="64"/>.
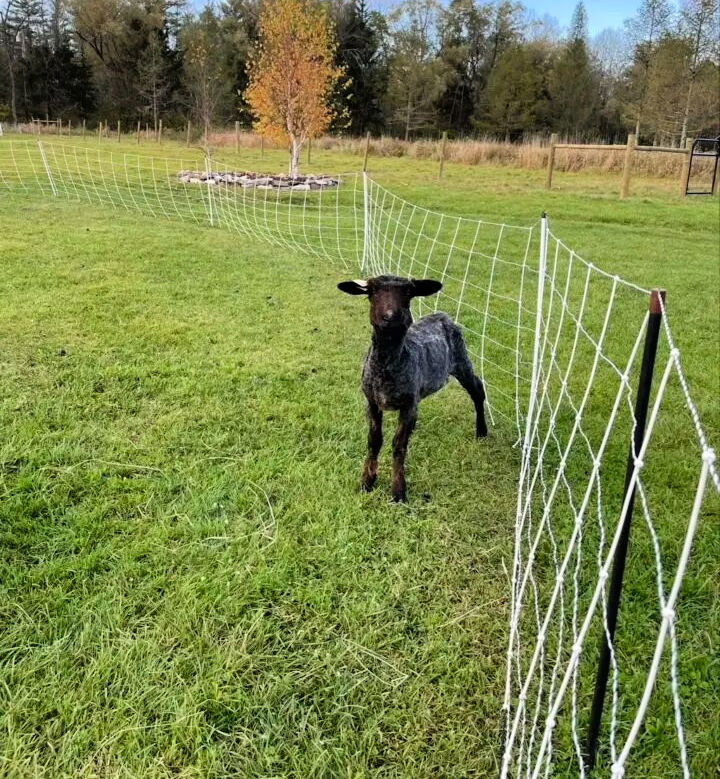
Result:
<point x="375" y="442"/>
<point x="472" y="384"/>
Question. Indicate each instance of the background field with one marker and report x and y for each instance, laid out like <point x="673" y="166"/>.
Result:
<point x="192" y="585"/>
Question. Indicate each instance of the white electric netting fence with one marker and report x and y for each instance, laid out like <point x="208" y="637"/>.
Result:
<point x="559" y="344"/>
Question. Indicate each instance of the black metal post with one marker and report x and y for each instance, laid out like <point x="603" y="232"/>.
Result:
<point x="642" y="403"/>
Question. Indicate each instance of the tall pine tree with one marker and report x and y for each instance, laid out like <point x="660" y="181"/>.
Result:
<point x="574" y="85"/>
<point x="361" y="57"/>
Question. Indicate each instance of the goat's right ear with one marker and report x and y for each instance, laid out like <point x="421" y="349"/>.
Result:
<point x="356" y="287"/>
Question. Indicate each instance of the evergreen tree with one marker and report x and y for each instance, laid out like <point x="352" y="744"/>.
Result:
<point x="503" y="31"/>
<point x="239" y="28"/>
<point x="573" y="82"/>
<point x="17" y="19"/>
<point x="361" y="57"/>
<point x="464" y="42"/>
<point x="516" y="96"/>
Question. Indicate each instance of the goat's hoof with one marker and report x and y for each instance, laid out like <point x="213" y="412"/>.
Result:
<point x="481" y="432"/>
<point x="400" y="497"/>
<point x="367" y="485"/>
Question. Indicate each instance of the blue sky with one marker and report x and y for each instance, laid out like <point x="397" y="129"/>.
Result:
<point x="601" y="13"/>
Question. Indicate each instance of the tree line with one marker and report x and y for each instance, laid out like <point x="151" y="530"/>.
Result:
<point x="468" y="67"/>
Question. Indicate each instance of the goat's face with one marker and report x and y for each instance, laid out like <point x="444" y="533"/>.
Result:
<point x="390" y="298"/>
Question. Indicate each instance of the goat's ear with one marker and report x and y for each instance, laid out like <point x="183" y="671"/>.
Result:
<point x="422" y="287"/>
<point x="356" y="287"/>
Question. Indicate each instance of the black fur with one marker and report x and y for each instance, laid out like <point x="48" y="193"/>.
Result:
<point x="407" y="362"/>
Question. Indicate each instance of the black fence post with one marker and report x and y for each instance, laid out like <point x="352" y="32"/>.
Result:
<point x="642" y="403"/>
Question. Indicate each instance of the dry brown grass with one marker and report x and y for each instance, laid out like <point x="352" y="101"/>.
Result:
<point x="530" y="155"/>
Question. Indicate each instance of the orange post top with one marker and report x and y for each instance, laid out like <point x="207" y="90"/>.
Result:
<point x="655" y="296"/>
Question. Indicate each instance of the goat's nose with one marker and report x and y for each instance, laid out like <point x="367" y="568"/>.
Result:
<point x="388" y="316"/>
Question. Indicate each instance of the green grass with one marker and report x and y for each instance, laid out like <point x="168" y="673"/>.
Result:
<point x="191" y="584"/>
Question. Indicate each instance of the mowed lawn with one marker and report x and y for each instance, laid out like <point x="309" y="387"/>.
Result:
<point x="191" y="584"/>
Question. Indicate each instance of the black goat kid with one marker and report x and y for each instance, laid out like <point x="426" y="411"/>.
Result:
<point x="407" y="362"/>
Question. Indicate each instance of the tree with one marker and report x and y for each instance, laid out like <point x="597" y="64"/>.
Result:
<point x="698" y="20"/>
<point x="611" y="54"/>
<point x="205" y="75"/>
<point x="153" y="84"/>
<point x="668" y="112"/>
<point x="239" y="33"/>
<point x="644" y="30"/>
<point x="16" y="20"/>
<point x="463" y="46"/>
<point x="504" y="30"/>
<point x="416" y="76"/>
<point x="361" y="57"/>
<point x="516" y="98"/>
<point x="293" y="74"/>
<point x="573" y="82"/>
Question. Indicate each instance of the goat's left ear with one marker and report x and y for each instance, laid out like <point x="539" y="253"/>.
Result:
<point x="422" y="287"/>
<point x="356" y="287"/>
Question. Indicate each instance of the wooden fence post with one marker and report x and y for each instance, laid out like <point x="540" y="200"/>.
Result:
<point x="443" y="144"/>
<point x="138" y="132"/>
<point x="83" y="130"/>
<point x="237" y="137"/>
<point x="118" y="131"/>
<point x="367" y="150"/>
<point x="551" y="160"/>
<point x="147" y="131"/>
<point x="159" y="135"/>
<point x="627" y="167"/>
<point x="685" y="173"/>
<point x="309" y="150"/>
<point x="187" y="140"/>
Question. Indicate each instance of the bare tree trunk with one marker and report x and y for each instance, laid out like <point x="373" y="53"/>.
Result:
<point x="686" y="114"/>
<point x="295" y="149"/>
<point x="407" y="119"/>
<point x="13" y="90"/>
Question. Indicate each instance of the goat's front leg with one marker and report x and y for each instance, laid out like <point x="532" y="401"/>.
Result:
<point x="375" y="441"/>
<point x="406" y="425"/>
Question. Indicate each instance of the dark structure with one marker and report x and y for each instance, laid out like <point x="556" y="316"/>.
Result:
<point x="703" y="148"/>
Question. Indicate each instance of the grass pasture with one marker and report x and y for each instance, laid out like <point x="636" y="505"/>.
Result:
<point x="191" y="584"/>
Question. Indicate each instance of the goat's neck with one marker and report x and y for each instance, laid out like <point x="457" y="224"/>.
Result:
<point x="388" y="350"/>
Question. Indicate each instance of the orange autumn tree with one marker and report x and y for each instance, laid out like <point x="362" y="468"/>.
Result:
<point x="293" y="74"/>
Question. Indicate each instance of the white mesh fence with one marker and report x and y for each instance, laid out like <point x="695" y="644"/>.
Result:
<point x="558" y="343"/>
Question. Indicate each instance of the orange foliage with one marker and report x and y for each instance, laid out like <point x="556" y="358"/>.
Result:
<point x="293" y="74"/>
